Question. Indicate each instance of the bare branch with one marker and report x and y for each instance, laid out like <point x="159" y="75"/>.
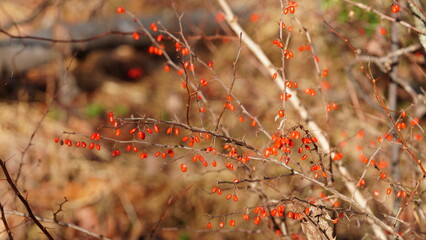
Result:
<point x="316" y="130"/>
<point x="6" y="226"/>
<point x="23" y="200"/>
<point x="60" y="223"/>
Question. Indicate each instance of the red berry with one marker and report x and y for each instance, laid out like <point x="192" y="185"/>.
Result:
<point x="274" y="76"/>
<point x="166" y="68"/>
<point x="257" y="220"/>
<point x="120" y="10"/>
<point x="169" y="131"/>
<point x="135" y="36"/>
<point x="156" y="128"/>
<point x="111" y="117"/>
<point x="154" y="27"/>
<point x="235" y="198"/>
<point x="183" y="167"/>
<point x="160" y="38"/>
<point x="395" y="8"/>
<point x="141" y="135"/>
<point x="177" y="131"/>
<point x="203" y="82"/>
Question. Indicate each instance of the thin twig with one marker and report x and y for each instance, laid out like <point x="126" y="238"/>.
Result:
<point x="23" y="200"/>
<point x="52" y="40"/>
<point x="60" y="223"/>
<point x="170" y="202"/>
<point x="380" y="100"/>
<point x="234" y="77"/>
<point x="6" y="226"/>
<point x="384" y="16"/>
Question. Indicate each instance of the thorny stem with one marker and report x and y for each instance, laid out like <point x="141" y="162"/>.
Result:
<point x="234" y="77"/>
<point x="345" y="198"/>
<point x="322" y="140"/>
<point x="382" y="104"/>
